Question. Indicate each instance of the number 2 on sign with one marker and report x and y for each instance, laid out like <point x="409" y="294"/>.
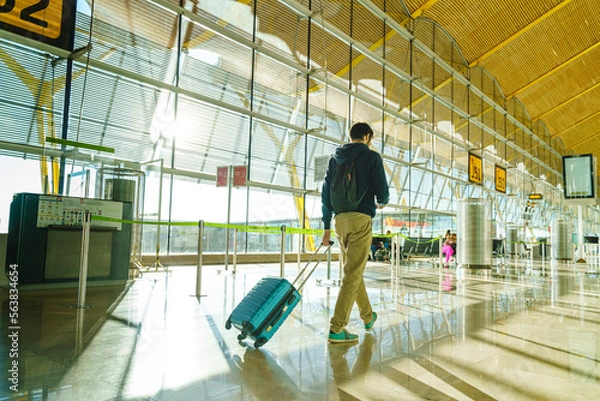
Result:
<point x="43" y="17"/>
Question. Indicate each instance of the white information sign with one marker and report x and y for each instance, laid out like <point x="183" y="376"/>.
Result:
<point x="65" y="211"/>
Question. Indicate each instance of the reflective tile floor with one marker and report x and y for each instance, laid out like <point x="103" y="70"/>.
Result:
<point x="522" y="331"/>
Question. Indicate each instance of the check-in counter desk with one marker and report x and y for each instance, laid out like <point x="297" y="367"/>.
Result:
<point x="44" y="240"/>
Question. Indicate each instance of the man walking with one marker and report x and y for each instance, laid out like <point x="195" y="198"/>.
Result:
<point x="353" y="227"/>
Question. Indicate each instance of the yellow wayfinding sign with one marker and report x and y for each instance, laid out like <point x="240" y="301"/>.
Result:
<point x="475" y="169"/>
<point x="50" y="21"/>
<point x="500" y="179"/>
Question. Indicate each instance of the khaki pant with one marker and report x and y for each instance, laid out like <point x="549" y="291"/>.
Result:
<point x="353" y="231"/>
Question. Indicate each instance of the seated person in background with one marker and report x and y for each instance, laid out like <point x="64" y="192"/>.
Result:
<point x="449" y="247"/>
<point x="381" y="252"/>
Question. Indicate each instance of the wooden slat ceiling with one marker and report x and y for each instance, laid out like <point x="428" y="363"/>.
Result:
<point x="544" y="55"/>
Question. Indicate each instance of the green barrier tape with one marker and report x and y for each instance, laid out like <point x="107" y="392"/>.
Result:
<point x="243" y="228"/>
<point x="257" y="229"/>
<point x="310" y="231"/>
<point x="263" y="229"/>
<point x="157" y="223"/>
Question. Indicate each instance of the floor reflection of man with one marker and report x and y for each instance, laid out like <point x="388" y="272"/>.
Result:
<point x="341" y="367"/>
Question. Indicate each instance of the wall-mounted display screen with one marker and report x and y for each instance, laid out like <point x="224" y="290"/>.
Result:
<point x="578" y="174"/>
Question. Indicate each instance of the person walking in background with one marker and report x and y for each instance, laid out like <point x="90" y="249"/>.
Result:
<point x="353" y="227"/>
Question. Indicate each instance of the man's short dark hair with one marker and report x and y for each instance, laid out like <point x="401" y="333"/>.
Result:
<point x="359" y="130"/>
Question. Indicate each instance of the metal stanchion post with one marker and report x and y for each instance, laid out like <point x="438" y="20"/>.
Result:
<point x="329" y="263"/>
<point x="299" y="250"/>
<point x="394" y="240"/>
<point x="282" y="268"/>
<point x="543" y="245"/>
<point x="199" y="260"/>
<point x="440" y="255"/>
<point x="79" y="331"/>
<point x="397" y="258"/>
<point x="235" y="233"/>
<point x="531" y="249"/>
<point x="397" y="252"/>
<point x="393" y="258"/>
<point x="229" y="186"/>
<point x="85" y="250"/>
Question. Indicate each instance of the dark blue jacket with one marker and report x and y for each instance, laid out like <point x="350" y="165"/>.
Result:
<point x="370" y="175"/>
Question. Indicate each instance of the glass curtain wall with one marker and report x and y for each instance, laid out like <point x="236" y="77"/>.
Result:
<point x="272" y="85"/>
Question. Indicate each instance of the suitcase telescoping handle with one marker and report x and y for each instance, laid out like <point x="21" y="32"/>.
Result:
<point x="327" y="249"/>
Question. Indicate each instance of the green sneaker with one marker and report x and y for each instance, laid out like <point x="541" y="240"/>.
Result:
<point x="369" y="326"/>
<point x="342" y="337"/>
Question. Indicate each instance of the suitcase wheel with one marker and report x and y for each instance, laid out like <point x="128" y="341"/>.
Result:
<point x="246" y="328"/>
<point x="241" y="336"/>
<point x="228" y="324"/>
<point x="259" y="343"/>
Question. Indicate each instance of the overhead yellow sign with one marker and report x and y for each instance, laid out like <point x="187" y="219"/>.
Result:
<point x="500" y="179"/>
<point x="50" y="21"/>
<point x="475" y="169"/>
<point x="535" y="196"/>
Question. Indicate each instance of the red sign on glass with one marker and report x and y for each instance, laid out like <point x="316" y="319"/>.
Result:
<point x="240" y="173"/>
<point x="222" y="176"/>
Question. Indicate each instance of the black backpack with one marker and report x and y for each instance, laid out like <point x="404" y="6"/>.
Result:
<point x="344" y="188"/>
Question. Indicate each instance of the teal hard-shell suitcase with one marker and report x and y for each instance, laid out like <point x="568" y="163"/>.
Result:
<point x="264" y="309"/>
